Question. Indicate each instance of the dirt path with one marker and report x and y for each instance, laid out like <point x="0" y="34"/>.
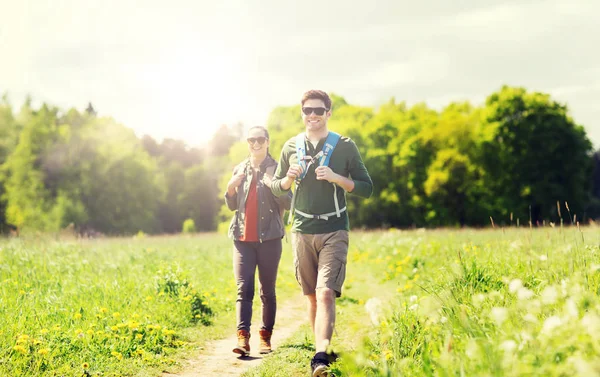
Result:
<point x="217" y="359"/>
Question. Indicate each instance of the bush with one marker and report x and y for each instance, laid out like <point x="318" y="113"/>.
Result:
<point x="189" y="226"/>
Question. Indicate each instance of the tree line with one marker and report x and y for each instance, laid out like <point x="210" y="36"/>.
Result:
<point x="519" y="158"/>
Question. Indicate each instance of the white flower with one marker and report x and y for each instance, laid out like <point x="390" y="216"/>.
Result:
<point x="543" y="258"/>
<point x="413" y="298"/>
<point x="529" y="318"/>
<point x="478" y="299"/>
<point x="524" y="294"/>
<point x="591" y="322"/>
<point x="508" y="345"/>
<point x="499" y="315"/>
<point x="373" y="307"/>
<point x="443" y="320"/>
<point x="550" y="324"/>
<point x="549" y="295"/>
<point x="472" y="349"/>
<point x="571" y="308"/>
<point x="413" y="307"/>
<point x="515" y="285"/>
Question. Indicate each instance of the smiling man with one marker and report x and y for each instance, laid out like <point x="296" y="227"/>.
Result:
<point x="324" y="166"/>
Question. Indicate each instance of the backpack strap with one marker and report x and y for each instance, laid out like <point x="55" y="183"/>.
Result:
<point x="328" y="147"/>
<point x="323" y="156"/>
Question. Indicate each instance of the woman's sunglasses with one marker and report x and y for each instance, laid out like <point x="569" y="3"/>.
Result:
<point x="317" y="110"/>
<point x="261" y="140"/>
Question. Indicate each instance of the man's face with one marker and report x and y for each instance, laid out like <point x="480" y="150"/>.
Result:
<point x="312" y="120"/>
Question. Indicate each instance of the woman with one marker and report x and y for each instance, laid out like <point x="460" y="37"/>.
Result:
<point x="257" y="230"/>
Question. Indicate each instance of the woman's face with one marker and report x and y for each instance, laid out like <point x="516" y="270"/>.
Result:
<point x="257" y="142"/>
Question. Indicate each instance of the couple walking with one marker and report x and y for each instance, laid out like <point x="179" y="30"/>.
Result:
<point x="324" y="166"/>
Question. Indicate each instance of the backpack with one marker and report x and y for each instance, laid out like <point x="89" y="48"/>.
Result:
<point x="323" y="158"/>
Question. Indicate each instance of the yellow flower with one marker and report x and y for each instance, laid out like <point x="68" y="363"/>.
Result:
<point x="43" y="351"/>
<point x="44" y="331"/>
<point x="90" y="332"/>
<point x="23" y="338"/>
<point x="20" y="348"/>
<point x="148" y="298"/>
<point x="114" y="328"/>
<point x="117" y="355"/>
<point x="139" y="336"/>
<point x="77" y="315"/>
<point x="103" y="310"/>
<point x="85" y="365"/>
<point x="116" y="315"/>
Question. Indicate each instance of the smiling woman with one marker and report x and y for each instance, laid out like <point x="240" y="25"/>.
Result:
<point x="194" y="91"/>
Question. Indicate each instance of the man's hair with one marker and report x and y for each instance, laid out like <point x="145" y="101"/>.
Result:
<point x="317" y="94"/>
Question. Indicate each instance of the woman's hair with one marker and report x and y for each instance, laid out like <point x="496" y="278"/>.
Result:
<point x="266" y="132"/>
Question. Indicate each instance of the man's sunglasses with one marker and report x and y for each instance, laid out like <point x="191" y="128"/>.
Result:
<point x="261" y="140"/>
<point x="317" y="110"/>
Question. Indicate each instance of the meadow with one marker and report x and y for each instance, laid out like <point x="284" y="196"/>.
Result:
<point x="496" y="302"/>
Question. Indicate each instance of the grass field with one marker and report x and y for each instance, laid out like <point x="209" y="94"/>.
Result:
<point x="501" y="302"/>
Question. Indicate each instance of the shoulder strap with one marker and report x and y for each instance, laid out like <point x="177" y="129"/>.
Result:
<point x="328" y="147"/>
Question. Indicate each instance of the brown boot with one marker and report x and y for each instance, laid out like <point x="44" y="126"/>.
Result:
<point x="243" y="343"/>
<point x="265" y="341"/>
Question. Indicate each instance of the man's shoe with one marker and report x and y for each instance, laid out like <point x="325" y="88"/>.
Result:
<point x="243" y="343"/>
<point x="320" y="364"/>
<point x="265" y="341"/>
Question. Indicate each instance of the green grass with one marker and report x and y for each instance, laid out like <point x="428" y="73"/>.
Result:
<point x="116" y="306"/>
<point x="502" y="302"/>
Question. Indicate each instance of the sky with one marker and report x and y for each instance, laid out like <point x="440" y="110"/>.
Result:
<point x="181" y="70"/>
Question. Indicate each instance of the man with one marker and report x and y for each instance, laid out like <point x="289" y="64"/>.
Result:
<point x="320" y="219"/>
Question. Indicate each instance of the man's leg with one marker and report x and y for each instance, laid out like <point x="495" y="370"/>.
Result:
<point x="312" y="310"/>
<point x="325" y="318"/>
<point x="333" y="253"/>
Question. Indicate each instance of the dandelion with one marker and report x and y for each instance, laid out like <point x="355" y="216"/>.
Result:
<point x="549" y="295"/>
<point x="524" y="294"/>
<point x="44" y="331"/>
<point x="508" y="345"/>
<point x="43" y="351"/>
<point x="20" y="348"/>
<point x="22" y="338"/>
<point x="373" y="308"/>
<point x="529" y="318"/>
<point x="77" y="315"/>
<point x="550" y="324"/>
<point x="148" y="298"/>
<point x="103" y="310"/>
<point x="139" y="336"/>
<point x="116" y="315"/>
<point x="499" y="315"/>
<point x="117" y="355"/>
<point x="515" y="285"/>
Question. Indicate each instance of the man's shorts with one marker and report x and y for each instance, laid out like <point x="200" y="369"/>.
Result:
<point x="320" y="260"/>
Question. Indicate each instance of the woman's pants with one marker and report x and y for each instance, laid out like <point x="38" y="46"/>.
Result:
<point x="247" y="256"/>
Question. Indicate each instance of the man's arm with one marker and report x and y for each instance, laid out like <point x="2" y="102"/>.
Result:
<point x="363" y="185"/>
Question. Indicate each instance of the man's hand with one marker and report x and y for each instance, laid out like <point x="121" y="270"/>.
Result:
<point x="324" y="173"/>
<point x="293" y="172"/>
<point x="234" y="183"/>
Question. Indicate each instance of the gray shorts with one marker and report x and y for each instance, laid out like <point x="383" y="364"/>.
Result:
<point x="320" y="260"/>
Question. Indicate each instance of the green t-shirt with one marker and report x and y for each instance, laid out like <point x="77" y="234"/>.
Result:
<point x="316" y="197"/>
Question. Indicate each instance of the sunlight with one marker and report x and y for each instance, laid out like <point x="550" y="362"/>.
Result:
<point x="194" y="91"/>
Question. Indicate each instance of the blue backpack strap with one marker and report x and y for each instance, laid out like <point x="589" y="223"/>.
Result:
<point x="328" y="147"/>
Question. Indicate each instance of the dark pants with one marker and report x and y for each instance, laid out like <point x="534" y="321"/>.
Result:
<point x="246" y="257"/>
